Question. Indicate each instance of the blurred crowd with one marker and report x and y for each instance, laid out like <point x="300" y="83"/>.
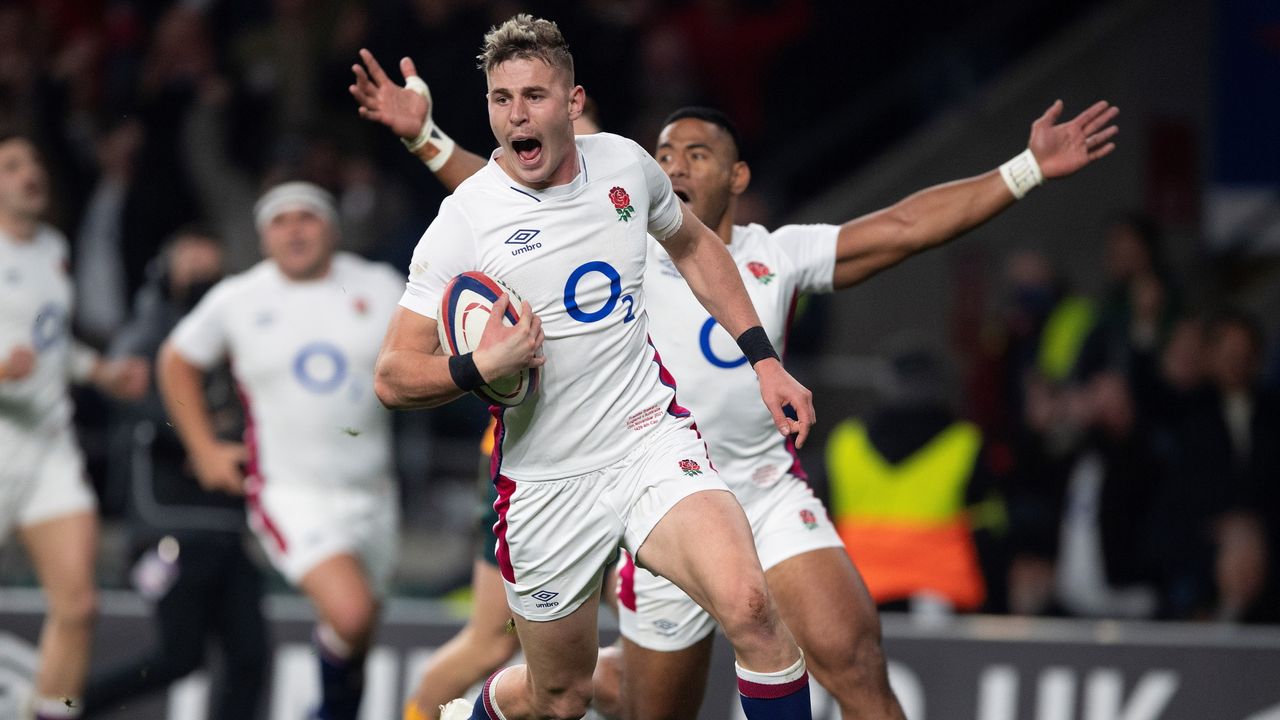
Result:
<point x="1131" y="439"/>
<point x="1128" y="441"/>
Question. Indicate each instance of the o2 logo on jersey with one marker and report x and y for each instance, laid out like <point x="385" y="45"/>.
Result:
<point x="615" y="293"/>
<point x="704" y="341"/>
<point x="320" y="367"/>
<point x="49" y="328"/>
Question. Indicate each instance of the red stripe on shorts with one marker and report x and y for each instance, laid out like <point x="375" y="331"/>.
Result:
<point x="505" y="486"/>
<point x="253" y="473"/>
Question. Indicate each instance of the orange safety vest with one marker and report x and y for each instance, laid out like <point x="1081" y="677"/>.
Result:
<point x="906" y="526"/>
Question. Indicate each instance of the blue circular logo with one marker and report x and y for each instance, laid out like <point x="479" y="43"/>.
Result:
<point x="320" y="367"/>
<point x="704" y="340"/>
<point x="49" y="328"/>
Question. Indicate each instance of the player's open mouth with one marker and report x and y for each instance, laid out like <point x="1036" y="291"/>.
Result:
<point x="682" y="195"/>
<point x="527" y="150"/>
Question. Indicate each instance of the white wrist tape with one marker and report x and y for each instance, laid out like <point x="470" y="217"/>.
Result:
<point x="1022" y="173"/>
<point x="430" y="133"/>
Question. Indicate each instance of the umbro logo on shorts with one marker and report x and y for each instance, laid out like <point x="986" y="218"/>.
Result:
<point x="665" y="627"/>
<point x="544" y="598"/>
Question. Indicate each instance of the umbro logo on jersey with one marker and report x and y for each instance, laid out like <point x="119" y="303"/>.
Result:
<point x="524" y="238"/>
<point x="545" y="598"/>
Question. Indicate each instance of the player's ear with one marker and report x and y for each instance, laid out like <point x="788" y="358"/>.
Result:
<point x="739" y="177"/>
<point x="577" y="101"/>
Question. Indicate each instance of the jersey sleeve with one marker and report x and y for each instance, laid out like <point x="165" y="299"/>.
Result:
<point x="665" y="215"/>
<point x="812" y="250"/>
<point x="202" y="337"/>
<point x="445" y="250"/>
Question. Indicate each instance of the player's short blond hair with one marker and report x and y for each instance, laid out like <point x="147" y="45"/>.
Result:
<point x="525" y="37"/>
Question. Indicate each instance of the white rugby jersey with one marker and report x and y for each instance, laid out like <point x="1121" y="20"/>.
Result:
<point x="716" y="382"/>
<point x="35" y="312"/>
<point x="576" y="253"/>
<point x="303" y="355"/>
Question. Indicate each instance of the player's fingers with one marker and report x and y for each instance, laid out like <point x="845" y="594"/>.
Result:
<point x="1050" y="116"/>
<point x="526" y="314"/>
<point x="1101" y="120"/>
<point x="375" y="70"/>
<point x="407" y="68"/>
<point x="1090" y="113"/>
<point x="498" y="311"/>
<point x="1102" y="152"/>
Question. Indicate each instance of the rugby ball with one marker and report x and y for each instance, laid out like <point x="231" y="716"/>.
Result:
<point x="465" y="309"/>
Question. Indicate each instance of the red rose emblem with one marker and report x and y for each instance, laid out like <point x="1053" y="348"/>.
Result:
<point x="760" y="271"/>
<point x="690" y="467"/>
<point x="619" y="198"/>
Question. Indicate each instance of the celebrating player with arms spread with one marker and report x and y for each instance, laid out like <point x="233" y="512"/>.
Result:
<point x="603" y="453"/>
<point x="667" y="637"/>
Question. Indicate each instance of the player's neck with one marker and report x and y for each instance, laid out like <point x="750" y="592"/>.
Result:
<point x="311" y="274"/>
<point x="564" y="173"/>
<point x="724" y="228"/>
<point x="21" y="229"/>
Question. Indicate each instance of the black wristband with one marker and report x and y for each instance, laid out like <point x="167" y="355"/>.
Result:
<point x="754" y="343"/>
<point x="462" y="369"/>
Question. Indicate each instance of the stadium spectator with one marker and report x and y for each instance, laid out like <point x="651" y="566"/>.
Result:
<point x="300" y="329"/>
<point x="43" y="490"/>
<point x="910" y="492"/>
<point x="193" y="566"/>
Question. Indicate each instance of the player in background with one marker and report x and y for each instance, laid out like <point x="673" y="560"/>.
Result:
<point x="44" y="493"/>
<point x="667" y="639"/>
<point x="301" y="329"/>
<point x="603" y="454"/>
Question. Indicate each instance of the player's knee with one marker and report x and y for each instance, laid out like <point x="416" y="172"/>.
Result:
<point x="353" y="621"/>
<point x="849" y="669"/>
<point x="749" y="617"/>
<point x="73" y="608"/>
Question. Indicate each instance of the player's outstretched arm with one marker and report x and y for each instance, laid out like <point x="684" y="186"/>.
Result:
<point x="406" y="111"/>
<point x="412" y="373"/>
<point x="930" y="217"/>
<point x="216" y="463"/>
<point x="705" y="263"/>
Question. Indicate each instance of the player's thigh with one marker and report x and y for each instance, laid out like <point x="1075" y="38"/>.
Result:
<point x="704" y="546"/>
<point x="825" y="604"/>
<point x="63" y="550"/>
<point x="656" y="615"/>
<point x="665" y="685"/>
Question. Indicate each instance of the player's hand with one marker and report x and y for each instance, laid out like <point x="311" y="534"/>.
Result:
<point x="383" y="101"/>
<point x="506" y="350"/>
<point x="779" y="390"/>
<point x="123" y="378"/>
<point x="1064" y="148"/>
<point x="217" y="467"/>
<point x="19" y="364"/>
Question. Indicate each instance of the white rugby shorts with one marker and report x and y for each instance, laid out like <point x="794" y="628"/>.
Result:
<point x="301" y="527"/>
<point x="556" y="536"/>
<point x="786" y="519"/>
<point x="42" y="477"/>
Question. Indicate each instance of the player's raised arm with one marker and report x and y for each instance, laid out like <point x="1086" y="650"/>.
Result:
<point x="705" y="263"/>
<point x="406" y="111"/>
<point x="930" y="217"/>
<point x="412" y="373"/>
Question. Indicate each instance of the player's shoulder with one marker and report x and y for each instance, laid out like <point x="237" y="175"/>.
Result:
<point x="261" y="277"/>
<point x="51" y="240"/>
<point x="359" y="267"/>
<point x="605" y="152"/>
